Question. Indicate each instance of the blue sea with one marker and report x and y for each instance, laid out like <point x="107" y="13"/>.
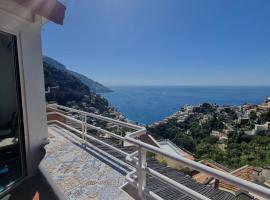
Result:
<point x="148" y="104"/>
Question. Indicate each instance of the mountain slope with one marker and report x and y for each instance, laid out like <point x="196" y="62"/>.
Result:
<point x="93" y="85"/>
<point x="71" y="91"/>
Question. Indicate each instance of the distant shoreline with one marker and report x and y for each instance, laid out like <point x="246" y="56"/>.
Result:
<point x="149" y="104"/>
<point x="213" y="86"/>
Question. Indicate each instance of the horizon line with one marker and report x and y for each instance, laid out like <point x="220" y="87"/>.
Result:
<point x="158" y="85"/>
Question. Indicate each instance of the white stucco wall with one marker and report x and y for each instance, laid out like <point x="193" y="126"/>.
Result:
<point x="32" y="79"/>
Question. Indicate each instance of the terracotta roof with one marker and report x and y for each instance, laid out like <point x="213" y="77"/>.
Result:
<point x="148" y="139"/>
<point x="243" y="173"/>
<point x="205" y="178"/>
<point x="202" y="178"/>
<point x="50" y="9"/>
<point x="188" y="156"/>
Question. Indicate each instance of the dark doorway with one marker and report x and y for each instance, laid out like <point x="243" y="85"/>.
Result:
<point x="12" y="159"/>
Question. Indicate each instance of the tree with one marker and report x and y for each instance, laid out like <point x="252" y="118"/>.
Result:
<point x="185" y="142"/>
<point x="264" y="117"/>
<point x="252" y="116"/>
<point x="211" y="139"/>
<point x="209" y="151"/>
<point x="235" y="136"/>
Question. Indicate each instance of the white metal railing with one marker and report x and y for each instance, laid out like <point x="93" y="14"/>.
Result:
<point x="137" y="177"/>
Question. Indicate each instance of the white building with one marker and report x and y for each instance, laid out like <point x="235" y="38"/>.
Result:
<point x="23" y="127"/>
<point x="262" y="128"/>
<point x="169" y="147"/>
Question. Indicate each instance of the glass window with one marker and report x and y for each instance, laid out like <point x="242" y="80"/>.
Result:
<point x="11" y="129"/>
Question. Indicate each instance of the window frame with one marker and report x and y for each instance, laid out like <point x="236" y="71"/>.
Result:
<point x="25" y="148"/>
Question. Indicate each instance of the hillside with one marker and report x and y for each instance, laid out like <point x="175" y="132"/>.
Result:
<point x="216" y="132"/>
<point x="93" y="85"/>
<point x="73" y="93"/>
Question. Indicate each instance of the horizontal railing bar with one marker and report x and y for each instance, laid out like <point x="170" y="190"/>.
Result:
<point x="107" y="145"/>
<point x="152" y="194"/>
<point x="65" y="125"/>
<point x="89" y="125"/>
<point x="243" y="184"/>
<point x="137" y="133"/>
<point x="131" y="157"/>
<point x="130" y="179"/>
<point x="95" y="148"/>
<point x="182" y="188"/>
<point x="109" y="157"/>
<point x="66" y="116"/>
<point x="105" y="131"/>
<point x="140" y="130"/>
<point x="91" y="137"/>
<point x="125" y="124"/>
<point x="134" y="134"/>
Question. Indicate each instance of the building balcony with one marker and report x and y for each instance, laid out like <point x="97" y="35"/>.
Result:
<point x="95" y="157"/>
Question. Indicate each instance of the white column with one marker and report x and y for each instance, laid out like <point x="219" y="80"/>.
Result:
<point x="141" y="172"/>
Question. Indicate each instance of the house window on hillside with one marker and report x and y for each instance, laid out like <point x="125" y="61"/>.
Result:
<point x="11" y="129"/>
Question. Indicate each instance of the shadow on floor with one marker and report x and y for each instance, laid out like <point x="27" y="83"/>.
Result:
<point x="133" y="192"/>
<point x="35" y="188"/>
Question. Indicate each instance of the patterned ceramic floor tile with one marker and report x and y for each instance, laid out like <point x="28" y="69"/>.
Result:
<point x="78" y="174"/>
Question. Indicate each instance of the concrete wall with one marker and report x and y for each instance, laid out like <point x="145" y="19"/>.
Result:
<point x="266" y="174"/>
<point x="57" y="117"/>
<point x="31" y="74"/>
<point x="262" y="127"/>
<point x="169" y="162"/>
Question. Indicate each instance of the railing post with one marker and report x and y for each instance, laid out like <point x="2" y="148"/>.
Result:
<point x="84" y="127"/>
<point x="82" y="119"/>
<point x="141" y="172"/>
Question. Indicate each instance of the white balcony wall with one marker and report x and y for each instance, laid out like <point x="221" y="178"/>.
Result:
<point x="26" y="26"/>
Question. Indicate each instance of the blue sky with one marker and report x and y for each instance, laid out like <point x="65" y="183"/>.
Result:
<point x="164" y="42"/>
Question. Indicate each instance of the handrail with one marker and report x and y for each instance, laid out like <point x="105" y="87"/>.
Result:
<point x="125" y="124"/>
<point x="88" y="136"/>
<point x="131" y="138"/>
<point x="227" y="177"/>
<point x="95" y="148"/>
<point x="175" y="147"/>
<point x="182" y="188"/>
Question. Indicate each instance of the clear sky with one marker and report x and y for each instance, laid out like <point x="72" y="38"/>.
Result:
<point x="164" y="42"/>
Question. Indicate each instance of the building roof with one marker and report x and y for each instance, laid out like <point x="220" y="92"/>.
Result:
<point x="243" y="173"/>
<point x="146" y="138"/>
<point x="171" y="148"/>
<point x="202" y="178"/>
<point x="50" y="9"/>
<point x="168" y="192"/>
<point x="205" y="178"/>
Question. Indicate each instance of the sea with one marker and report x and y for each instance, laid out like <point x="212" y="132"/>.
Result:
<point x="149" y="104"/>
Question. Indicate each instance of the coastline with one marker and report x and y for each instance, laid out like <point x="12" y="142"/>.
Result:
<point x="150" y="104"/>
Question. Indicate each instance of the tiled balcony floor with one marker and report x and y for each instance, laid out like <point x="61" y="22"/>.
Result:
<point x="77" y="173"/>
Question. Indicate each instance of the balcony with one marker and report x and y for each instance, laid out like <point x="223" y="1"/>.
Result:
<point x="95" y="157"/>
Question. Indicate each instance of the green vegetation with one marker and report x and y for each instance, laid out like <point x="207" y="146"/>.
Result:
<point x="256" y="152"/>
<point x="164" y="162"/>
<point x="195" y="136"/>
<point x="93" y="85"/>
<point x="72" y="92"/>
<point x="265" y="117"/>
